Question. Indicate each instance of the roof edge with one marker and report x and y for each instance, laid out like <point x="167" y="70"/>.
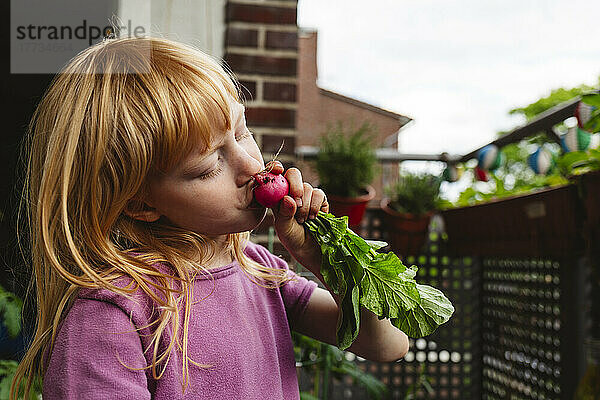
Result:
<point x="403" y="119"/>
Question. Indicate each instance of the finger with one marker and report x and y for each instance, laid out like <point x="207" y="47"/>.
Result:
<point x="275" y="167"/>
<point x="325" y="204"/>
<point x="318" y="199"/>
<point x="303" y="211"/>
<point x="287" y="208"/>
<point x="294" y="178"/>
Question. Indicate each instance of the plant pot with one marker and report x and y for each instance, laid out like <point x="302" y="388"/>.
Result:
<point x="407" y="233"/>
<point x="590" y="191"/>
<point x="544" y="223"/>
<point x="353" y="207"/>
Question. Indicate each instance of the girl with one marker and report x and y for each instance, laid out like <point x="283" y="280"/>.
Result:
<point x="140" y="205"/>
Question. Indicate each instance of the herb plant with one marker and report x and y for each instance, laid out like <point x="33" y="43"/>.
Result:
<point x="346" y="162"/>
<point x="414" y="193"/>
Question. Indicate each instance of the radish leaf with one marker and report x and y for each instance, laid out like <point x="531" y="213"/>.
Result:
<point x="380" y="282"/>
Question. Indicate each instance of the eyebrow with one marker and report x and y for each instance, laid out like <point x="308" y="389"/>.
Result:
<point x="194" y="168"/>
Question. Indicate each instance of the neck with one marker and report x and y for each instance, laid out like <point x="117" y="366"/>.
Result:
<point x="223" y="255"/>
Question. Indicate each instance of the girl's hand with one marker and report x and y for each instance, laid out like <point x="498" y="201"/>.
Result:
<point x="303" y="202"/>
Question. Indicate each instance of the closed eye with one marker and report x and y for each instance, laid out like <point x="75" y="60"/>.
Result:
<point x="214" y="171"/>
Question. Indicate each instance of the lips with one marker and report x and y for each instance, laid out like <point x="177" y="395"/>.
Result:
<point x="253" y="204"/>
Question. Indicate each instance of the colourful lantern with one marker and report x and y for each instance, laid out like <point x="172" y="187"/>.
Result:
<point x="583" y="113"/>
<point x="576" y="139"/>
<point x="541" y="161"/>
<point x="489" y="158"/>
<point x="452" y="173"/>
<point x="481" y="175"/>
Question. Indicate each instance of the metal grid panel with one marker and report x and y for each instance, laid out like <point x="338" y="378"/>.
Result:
<point x="531" y="331"/>
<point x="449" y="359"/>
<point x="517" y="333"/>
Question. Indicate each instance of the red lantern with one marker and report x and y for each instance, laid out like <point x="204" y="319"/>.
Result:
<point x="481" y="175"/>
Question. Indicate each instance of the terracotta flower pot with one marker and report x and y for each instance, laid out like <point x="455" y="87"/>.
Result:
<point x="407" y="233"/>
<point x="353" y="207"/>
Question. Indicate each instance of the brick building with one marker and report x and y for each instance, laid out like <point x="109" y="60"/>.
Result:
<point x="318" y="107"/>
<point x="261" y="47"/>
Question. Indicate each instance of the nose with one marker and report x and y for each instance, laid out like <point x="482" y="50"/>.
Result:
<point x="248" y="162"/>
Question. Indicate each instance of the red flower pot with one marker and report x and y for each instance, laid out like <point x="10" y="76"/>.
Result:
<point x="353" y="207"/>
<point x="407" y="233"/>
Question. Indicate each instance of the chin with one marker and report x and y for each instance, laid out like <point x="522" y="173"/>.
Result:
<point x="253" y="222"/>
<point x="261" y="213"/>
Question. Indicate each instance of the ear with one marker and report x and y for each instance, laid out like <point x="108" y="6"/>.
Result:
<point x="140" y="210"/>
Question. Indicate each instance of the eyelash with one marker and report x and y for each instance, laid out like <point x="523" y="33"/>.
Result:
<point x="212" y="173"/>
<point x="217" y="170"/>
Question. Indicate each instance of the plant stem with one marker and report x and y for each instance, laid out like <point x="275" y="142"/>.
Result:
<point x="317" y="373"/>
<point x="326" y="371"/>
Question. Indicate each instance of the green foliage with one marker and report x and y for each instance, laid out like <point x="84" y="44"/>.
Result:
<point x="592" y="99"/>
<point x="7" y="372"/>
<point x="515" y="177"/>
<point x="422" y="382"/>
<point x="346" y="162"/>
<point x="473" y="195"/>
<point x="579" y="162"/>
<point x="515" y="166"/>
<point x="10" y="310"/>
<point x="555" y="97"/>
<point x="415" y="193"/>
<point x="380" y="282"/>
<point x="326" y="362"/>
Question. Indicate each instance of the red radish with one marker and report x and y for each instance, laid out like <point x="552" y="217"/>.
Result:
<point x="270" y="188"/>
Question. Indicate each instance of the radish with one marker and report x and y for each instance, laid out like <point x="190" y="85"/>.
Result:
<point x="361" y="275"/>
<point x="270" y="188"/>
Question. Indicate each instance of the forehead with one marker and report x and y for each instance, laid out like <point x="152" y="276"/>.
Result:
<point x="237" y="111"/>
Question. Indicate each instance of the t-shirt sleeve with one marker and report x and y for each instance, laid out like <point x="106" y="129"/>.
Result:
<point x="97" y="355"/>
<point x="296" y="292"/>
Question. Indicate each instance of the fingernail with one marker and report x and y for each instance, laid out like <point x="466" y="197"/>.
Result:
<point x="299" y="202"/>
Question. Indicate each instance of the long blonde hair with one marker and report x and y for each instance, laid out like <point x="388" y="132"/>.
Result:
<point x="118" y="112"/>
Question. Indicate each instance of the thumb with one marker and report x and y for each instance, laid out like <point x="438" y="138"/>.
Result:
<point x="284" y="213"/>
<point x="290" y="232"/>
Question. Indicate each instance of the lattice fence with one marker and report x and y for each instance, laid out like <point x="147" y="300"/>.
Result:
<point x="517" y="333"/>
<point x="534" y="324"/>
<point x="450" y="359"/>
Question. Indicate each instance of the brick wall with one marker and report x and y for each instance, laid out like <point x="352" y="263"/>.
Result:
<point x="261" y="48"/>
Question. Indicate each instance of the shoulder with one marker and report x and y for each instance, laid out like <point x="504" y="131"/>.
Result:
<point x="261" y="255"/>
<point x="137" y="305"/>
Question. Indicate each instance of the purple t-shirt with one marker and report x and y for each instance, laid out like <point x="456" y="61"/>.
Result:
<point x="238" y="327"/>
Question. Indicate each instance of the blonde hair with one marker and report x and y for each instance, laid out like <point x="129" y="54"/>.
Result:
<point x="120" y="111"/>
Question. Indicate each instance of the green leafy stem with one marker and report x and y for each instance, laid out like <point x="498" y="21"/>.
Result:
<point x="361" y="276"/>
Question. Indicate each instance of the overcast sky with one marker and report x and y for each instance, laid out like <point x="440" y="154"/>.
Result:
<point x="455" y="67"/>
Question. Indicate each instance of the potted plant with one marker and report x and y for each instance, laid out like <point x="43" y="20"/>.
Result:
<point x="409" y="205"/>
<point x="346" y="165"/>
